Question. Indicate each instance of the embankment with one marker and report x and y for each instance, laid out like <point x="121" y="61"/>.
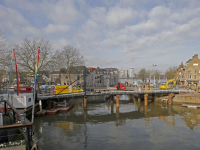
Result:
<point x="188" y="98"/>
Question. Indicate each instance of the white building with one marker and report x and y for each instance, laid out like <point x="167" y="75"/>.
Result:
<point x="123" y="74"/>
<point x="131" y="72"/>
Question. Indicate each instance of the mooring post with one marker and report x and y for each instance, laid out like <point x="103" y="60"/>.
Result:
<point x="117" y="112"/>
<point x="170" y="98"/>
<point x="117" y="101"/>
<point x="85" y="115"/>
<point x="5" y="107"/>
<point x="111" y="99"/>
<point x="85" y="102"/>
<point x="146" y="99"/>
<point x="14" y="116"/>
<point x="139" y="98"/>
<point x="65" y="101"/>
<point x="112" y="103"/>
<point x="28" y="137"/>
<point x="40" y="104"/>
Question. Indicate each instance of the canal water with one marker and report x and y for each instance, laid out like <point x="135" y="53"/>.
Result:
<point x="133" y="126"/>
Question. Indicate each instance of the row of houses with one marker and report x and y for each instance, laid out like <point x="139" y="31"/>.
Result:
<point x="94" y="77"/>
<point x="189" y="73"/>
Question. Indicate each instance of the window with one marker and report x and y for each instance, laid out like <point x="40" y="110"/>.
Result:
<point x="195" y="76"/>
<point x="189" y="70"/>
<point x="195" y="71"/>
<point x="66" y="77"/>
<point x="189" y="76"/>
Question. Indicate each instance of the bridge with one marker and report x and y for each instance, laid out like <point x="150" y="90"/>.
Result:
<point x="52" y="96"/>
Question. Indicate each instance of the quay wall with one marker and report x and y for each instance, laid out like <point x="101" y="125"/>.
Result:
<point x="192" y="98"/>
<point x="187" y="98"/>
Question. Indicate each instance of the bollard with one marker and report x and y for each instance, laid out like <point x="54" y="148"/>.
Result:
<point x="85" y="102"/>
<point x="146" y="99"/>
<point x="139" y="98"/>
<point x="117" y="101"/>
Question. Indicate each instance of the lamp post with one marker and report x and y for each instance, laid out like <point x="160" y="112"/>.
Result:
<point x="154" y="74"/>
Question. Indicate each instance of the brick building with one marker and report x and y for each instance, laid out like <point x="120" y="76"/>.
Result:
<point x="189" y="74"/>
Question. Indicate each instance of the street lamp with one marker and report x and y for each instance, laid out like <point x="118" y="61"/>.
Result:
<point x="154" y="74"/>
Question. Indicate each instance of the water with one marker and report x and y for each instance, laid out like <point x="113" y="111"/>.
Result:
<point x="133" y="126"/>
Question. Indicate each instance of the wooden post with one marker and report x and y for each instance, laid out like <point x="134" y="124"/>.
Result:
<point x="139" y="98"/>
<point x="85" y="102"/>
<point x="117" y="101"/>
<point x="117" y="112"/>
<point x="65" y="101"/>
<point x="111" y="99"/>
<point x="112" y="103"/>
<point x="40" y="104"/>
<point x="85" y="115"/>
<point x="170" y="98"/>
<point x="146" y="99"/>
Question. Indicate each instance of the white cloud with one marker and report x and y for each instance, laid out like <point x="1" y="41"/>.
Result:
<point x="94" y="61"/>
<point x="117" y="16"/>
<point x="62" y="11"/>
<point x="56" y="29"/>
<point x="124" y="30"/>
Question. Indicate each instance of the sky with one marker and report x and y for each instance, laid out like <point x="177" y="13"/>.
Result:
<point x="110" y="33"/>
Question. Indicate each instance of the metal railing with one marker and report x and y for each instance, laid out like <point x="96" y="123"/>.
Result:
<point x="27" y="125"/>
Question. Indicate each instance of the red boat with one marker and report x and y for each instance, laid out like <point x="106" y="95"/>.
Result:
<point x="26" y="89"/>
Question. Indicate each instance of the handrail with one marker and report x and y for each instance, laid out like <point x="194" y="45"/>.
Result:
<point x="27" y="122"/>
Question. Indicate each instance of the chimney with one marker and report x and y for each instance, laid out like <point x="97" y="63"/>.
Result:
<point x="195" y="56"/>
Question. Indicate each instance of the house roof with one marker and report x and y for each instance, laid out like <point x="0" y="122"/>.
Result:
<point x="92" y="69"/>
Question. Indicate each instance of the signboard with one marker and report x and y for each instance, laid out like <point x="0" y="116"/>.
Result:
<point x="195" y="64"/>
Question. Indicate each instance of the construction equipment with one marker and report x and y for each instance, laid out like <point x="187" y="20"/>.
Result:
<point x="63" y="89"/>
<point x="169" y="84"/>
<point x="120" y="86"/>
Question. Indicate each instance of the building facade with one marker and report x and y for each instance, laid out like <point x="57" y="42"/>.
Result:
<point x="131" y="72"/>
<point x="189" y="74"/>
<point x="123" y="74"/>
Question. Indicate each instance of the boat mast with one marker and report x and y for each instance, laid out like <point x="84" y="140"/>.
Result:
<point x="16" y="73"/>
<point x="35" y="83"/>
<point x="10" y="76"/>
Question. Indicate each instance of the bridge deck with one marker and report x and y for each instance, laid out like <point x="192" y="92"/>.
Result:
<point x="53" y="96"/>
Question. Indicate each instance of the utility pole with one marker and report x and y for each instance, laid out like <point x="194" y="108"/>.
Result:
<point x="84" y="77"/>
<point x="154" y="74"/>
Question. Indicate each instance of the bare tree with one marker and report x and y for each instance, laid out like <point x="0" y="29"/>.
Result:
<point x="26" y="53"/>
<point x="142" y="74"/>
<point x="70" y="57"/>
<point x="171" y="72"/>
<point x="3" y="50"/>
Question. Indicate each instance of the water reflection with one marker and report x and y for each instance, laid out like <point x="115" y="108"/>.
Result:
<point x="106" y="126"/>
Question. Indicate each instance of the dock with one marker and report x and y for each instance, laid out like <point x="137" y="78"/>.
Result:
<point x="190" y="106"/>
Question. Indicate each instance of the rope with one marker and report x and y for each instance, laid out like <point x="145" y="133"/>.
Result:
<point x="10" y="135"/>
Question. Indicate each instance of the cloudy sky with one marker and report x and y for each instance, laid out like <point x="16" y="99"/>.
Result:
<point x="110" y="33"/>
